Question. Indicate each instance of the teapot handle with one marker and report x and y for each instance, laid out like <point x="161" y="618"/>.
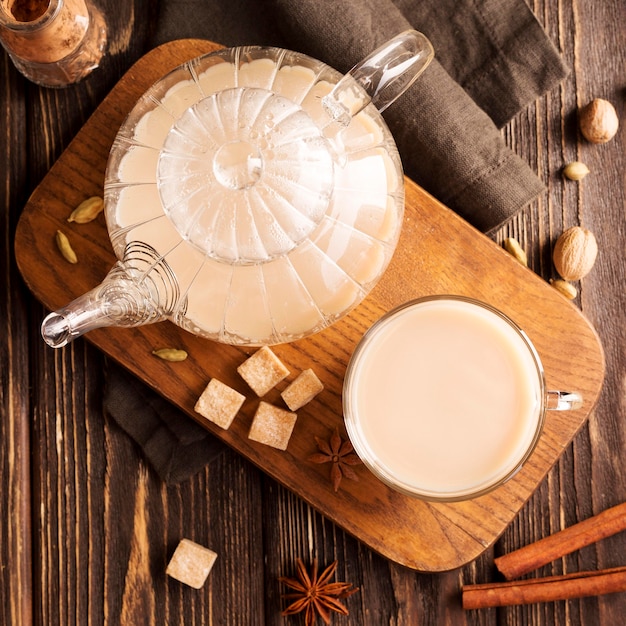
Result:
<point x="381" y="77"/>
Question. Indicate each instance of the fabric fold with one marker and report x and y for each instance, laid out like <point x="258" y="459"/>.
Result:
<point x="174" y="445"/>
<point x="457" y="154"/>
<point x="495" y="49"/>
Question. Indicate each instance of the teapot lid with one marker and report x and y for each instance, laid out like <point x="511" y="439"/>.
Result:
<point x="245" y="175"/>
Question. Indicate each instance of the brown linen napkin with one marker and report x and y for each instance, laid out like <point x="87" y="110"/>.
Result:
<point x="492" y="60"/>
<point x="171" y="441"/>
<point x="495" y="49"/>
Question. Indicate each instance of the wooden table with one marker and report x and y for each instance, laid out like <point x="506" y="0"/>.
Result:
<point x="86" y="527"/>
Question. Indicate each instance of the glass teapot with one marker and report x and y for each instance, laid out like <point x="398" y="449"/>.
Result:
<point x="253" y="196"/>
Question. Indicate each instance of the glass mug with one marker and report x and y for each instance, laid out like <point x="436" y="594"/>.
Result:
<point x="53" y="43"/>
<point x="444" y="398"/>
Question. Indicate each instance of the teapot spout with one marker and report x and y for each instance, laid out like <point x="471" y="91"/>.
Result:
<point x="120" y="300"/>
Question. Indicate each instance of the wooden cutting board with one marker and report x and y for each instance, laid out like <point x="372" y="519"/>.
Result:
<point x="438" y="253"/>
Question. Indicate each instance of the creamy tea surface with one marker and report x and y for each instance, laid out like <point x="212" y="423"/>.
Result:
<point x="444" y="398"/>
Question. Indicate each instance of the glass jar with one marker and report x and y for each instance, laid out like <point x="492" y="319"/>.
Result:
<point x="53" y="43"/>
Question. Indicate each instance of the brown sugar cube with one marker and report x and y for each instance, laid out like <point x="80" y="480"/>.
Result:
<point x="262" y="371"/>
<point x="272" y="425"/>
<point x="219" y="403"/>
<point x="191" y="563"/>
<point x="302" y="390"/>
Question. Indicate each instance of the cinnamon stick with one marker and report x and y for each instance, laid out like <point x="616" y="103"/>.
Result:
<point x="534" y="555"/>
<point x="547" y="589"/>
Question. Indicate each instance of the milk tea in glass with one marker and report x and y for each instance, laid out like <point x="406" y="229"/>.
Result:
<point x="444" y="398"/>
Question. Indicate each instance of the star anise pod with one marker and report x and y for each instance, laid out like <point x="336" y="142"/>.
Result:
<point x="341" y="454"/>
<point x="314" y="595"/>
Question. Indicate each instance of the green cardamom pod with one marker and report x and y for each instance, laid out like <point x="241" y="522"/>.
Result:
<point x="170" y="354"/>
<point x="575" y="170"/>
<point x="87" y="210"/>
<point x="512" y="246"/>
<point x="565" y="288"/>
<point x="63" y="243"/>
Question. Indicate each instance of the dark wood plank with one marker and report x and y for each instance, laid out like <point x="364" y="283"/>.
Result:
<point x="16" y="584"/>
<point x="588" y="478"/>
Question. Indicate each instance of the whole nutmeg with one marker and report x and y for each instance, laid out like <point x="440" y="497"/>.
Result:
<point x="575" y="253"/>
<point x="598" y="121"/>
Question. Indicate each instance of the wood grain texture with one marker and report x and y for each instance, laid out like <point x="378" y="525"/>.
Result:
<point x="16" y="591"/>
<point x="437" y="253"/>
<point x="86" y="473"/>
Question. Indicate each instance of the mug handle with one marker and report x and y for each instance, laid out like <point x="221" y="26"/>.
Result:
<point x="563" y="400"/>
